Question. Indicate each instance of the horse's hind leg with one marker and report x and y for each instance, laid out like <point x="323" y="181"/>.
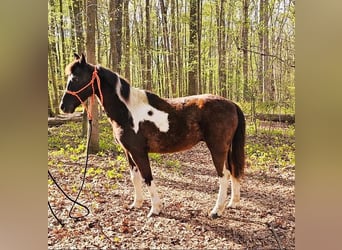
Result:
<point x="219" y="158"/>
<point x="235" y="192"/>
<point x="137" y="183"/>
<point x="142" y="162"/>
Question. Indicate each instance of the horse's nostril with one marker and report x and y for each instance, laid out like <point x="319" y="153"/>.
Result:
<point x="62" y="106"/>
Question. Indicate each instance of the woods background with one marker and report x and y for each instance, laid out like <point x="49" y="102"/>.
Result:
<point x="240" y="49"/>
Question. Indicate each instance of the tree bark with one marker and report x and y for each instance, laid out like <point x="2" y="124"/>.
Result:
<point x="115" y="30"/>
<point x="148" y="68"/>
<point x="78" y="16"/>
<point x="221" y="45"/>
<point x="246" y="92"/>
<point x="126" y="53"/>
<point x="193" y="60"/>
<point x="91" y="11"/>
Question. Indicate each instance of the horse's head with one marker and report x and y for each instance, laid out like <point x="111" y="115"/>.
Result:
<point x="79" y="86"/>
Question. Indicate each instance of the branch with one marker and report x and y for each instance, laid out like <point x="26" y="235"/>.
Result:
<point x="263" y="54"/>
<point x="274" y="234"/>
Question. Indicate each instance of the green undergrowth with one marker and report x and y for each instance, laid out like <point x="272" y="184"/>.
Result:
<point x="270" y="145"/>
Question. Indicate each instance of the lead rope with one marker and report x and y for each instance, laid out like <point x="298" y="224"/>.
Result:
<point x="89" y="114"/>
<point x="80" y="190"/>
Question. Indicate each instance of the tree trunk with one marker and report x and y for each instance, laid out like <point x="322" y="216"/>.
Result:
<point x="199" y="50"/>
<point x="221" y="45"/>
<point x="115" y="30"/>
<point x="61" y="24"/>
<point x="91" y="11"/>
<point x="267" y="69"/>
<point x="78" y="16"/>
<point x="193" y="60"/>
<point x="179" y="55"/>
<point x="246" y="94"/>
<point x="148" y="68"/>
<point x="126" y="42"/>
<point x="167" y="51"/>
<point x="50" y="111"/>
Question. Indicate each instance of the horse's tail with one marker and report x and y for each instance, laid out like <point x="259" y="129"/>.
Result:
<point x="236" y="155"/>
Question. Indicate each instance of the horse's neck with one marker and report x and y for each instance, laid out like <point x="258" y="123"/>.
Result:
<point x="112" y="103"/>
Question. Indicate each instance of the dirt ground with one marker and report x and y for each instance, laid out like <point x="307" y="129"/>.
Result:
<point x="265" y="219"/>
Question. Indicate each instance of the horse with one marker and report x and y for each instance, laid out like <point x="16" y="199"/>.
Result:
<point x="145" y="123"/>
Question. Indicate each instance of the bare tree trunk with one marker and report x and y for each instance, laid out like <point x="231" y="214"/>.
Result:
<point x="78" y="16"/>
<point x="173" y="51"/>
<point x="179" y="55"/>
<point x="148" y="68"/>
<point x="267" y="69"/>
<point x="61" y="24"/>
<point x="199" y="50"/>
<point x="261" y="32"/>
<point x="50" y="112"/>
<point x="91" y="11"/>
<point x="246" y="94"/>
<point x="221" y="45"/>
<point x="193" y="60"/>
<point x="126" y="45"/>
<point x="167" y="51"/>
<point x="115" y="30"/>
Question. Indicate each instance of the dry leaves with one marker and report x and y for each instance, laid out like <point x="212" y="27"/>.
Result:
<point x="188" y="193"/>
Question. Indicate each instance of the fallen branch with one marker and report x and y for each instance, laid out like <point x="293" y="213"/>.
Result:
<point x="276" y="118"/>
<point x="61" y="119"/>
<point x="270" y="226"/>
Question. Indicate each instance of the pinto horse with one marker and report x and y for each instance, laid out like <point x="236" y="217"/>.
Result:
<point x="144" y="122"/>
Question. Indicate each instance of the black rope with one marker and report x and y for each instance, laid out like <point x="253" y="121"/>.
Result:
<point x="80" y="190"/>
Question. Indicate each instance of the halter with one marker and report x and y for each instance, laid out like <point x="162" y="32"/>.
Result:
<point x="75" y="93"/>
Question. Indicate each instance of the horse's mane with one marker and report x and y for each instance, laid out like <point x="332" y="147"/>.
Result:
<point x="68" y="68"/>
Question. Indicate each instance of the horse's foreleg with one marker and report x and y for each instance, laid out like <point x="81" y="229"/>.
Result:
<point x="235" y="192"/>
<point x="141" y="160"/>
<point x="155" y="200"/>
<point x="137" y="183"/>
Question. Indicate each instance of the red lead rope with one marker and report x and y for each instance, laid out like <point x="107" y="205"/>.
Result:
<point x="92" y="99"/>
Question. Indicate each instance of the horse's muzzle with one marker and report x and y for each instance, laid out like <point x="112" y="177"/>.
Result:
<point x="67" y="109"/>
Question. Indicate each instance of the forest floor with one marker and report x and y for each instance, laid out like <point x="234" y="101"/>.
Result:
<point x="188" y="186"/>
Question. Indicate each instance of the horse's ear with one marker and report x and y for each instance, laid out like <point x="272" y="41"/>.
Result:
<point x="83" y="59"/>
<point x="76" y="56"/>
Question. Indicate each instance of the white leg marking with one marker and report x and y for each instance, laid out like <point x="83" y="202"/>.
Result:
<point x="155" y="200"/>
<point x="222" y="195"/>
<point x="137" y="183"/>
<point x="235" y="192"/>
<point x="141" y="110"/>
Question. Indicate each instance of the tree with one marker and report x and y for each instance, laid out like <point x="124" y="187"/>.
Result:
<point x="115" y="30"/>
<point x="243" y="50"/>
<point x="91" y="13"/>
<point x="221" y="45"/>
<point x="193" y="47"/>
<point x="245" y="27"/>
<point x="148" y="66"/>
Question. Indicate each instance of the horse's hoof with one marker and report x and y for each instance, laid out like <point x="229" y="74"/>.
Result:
<point x="214" y="216"/>
<point x="136" y="205"/>
<point x="233" y="204"/>
<point x="152" y="214"/>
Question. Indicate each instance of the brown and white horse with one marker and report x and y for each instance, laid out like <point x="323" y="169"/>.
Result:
<point x="143" y="122"/>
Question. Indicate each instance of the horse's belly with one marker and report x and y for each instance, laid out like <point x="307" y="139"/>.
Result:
<point x="169" y="143"/>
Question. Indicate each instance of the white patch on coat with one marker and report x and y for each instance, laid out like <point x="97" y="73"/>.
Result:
<point x="139" y="108"/>
<point x="70" y="78"/>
